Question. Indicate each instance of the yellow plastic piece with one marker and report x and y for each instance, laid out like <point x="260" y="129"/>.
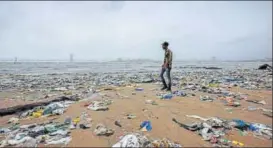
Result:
<point x="37" y="114"/>
<point x="237" y="143"/>
<point x="76" y="120"/>
<point x="40" y="111"/>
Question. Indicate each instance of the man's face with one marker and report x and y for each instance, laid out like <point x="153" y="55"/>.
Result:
<point x="164" y="47"/>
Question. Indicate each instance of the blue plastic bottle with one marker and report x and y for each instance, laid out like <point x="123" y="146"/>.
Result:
<point x="167" y="96"/>
<point x="139" y="89"/>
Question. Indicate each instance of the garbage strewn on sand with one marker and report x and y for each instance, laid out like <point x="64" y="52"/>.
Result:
<point x="214" y="129"/>
<point x="211" y="84"/>
<point x="34" y="134"/>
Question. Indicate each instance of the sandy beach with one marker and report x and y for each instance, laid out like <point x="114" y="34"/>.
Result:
<point x="127" y="101"/>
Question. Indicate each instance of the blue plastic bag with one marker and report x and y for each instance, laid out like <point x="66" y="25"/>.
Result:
<point x="253" y="128"/>
<point x="240" y="124"/>
<point x="147" y="125"/>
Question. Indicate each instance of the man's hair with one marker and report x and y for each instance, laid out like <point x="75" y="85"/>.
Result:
<point x="165" y="44"/>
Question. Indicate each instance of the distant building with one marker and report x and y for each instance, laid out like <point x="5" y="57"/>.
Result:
<point x="15" y="60"/>
<point x="71" y="58"/>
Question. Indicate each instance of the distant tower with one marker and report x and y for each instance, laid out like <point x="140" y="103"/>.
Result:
<point x="71" y="58"/>
<point x="15" y="60"/>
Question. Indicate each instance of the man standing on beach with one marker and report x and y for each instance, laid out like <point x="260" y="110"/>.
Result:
<point x="167" y="66"/>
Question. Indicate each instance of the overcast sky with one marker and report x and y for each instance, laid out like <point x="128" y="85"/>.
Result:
<point x="231" y="30"/>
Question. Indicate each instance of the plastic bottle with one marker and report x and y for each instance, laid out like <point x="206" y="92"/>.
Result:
<point x="251" y="108"/>
<point x="139" y="89"/>
<point x="68" y="120"/>
<point x="167" y="96"/>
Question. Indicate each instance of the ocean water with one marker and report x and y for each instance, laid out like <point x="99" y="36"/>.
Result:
<point x="113" y="67"/>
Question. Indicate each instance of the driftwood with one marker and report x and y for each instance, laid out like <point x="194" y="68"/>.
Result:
<point x="21" y="108"/>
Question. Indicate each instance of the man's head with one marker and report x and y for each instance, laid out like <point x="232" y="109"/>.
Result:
<point x="165" y="45"/>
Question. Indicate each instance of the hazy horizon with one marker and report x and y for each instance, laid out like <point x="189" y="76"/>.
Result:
<point x="127" y="60"/>
<point x="196" y="30"/>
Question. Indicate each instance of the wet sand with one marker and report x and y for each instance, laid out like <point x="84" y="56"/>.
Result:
<point x="160" y="116"/>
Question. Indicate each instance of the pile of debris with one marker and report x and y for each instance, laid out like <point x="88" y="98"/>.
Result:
<point x="102" y="130"/>
<point x="55" y="108"/>
<point x="139" y="140"/>
<point x="47" y="133"/>
<point x="99" y="105"/>
<point x="34" y="134"/>
<point x="45" y="107"/>
<point x="213" y="129"/>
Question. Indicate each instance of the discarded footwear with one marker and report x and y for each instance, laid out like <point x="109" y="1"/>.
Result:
<point x="117" y="123"/>
<point x="130" y="116"/>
